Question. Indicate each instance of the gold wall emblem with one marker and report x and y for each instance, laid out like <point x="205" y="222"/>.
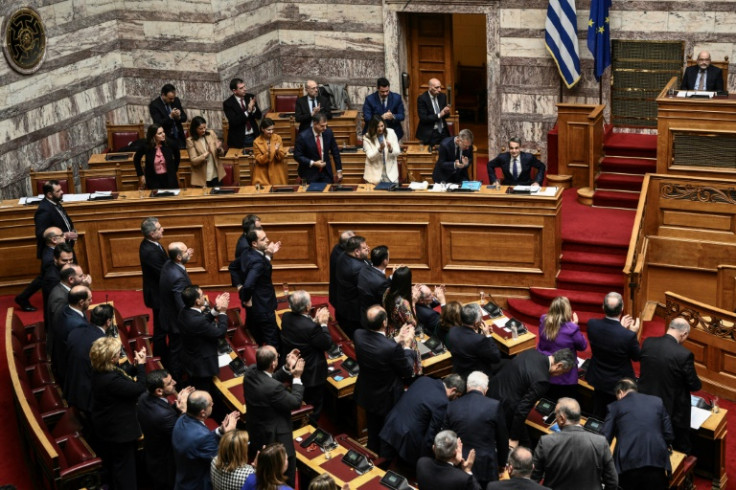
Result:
<point x="25" y="40"/>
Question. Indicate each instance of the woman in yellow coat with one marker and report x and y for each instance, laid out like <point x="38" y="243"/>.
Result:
<point x="269" y="153"/>
<point x="204" y="148"/>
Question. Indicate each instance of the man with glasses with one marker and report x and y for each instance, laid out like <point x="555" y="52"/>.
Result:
<point x="433" y="111"/>
<point x="703" y="75"/>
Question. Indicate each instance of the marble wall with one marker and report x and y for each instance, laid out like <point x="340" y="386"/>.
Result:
<point x="108" y="58"/>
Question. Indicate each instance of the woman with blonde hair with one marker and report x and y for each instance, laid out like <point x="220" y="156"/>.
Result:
<point x="382" y="150"/>
<point x="269" y="154"/>
<point x="558" y="329"/>
<point x="115" y="393"/>
<point x="230" y="468"/>
<point x="271" y="466"/>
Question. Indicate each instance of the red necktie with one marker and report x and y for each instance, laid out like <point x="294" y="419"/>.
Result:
<point x="247" y="121"/>
<point x="319" y="150"/>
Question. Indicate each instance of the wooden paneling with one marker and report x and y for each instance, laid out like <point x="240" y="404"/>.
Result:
<point x="580" y="134"/>
<point x="726" y="287"/>
<point x="456" y="239"/>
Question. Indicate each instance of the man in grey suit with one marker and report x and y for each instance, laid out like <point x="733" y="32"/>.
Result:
<point x="573" y="459"/>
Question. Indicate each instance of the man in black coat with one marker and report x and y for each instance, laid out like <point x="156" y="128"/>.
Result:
<point x="63" y="255"/>
<point x="242" y="113"/>
<point x="447" y="470"/>
<point x="473" y="351"/>
<point x="310" y="105"/>
<point x="642" y="430"/>
<point x="157" y="418"/>
<point x="153" y="257"/>
<point x="522" y="382"/>
<point x="269" y="403"/>
<point x="385" y="365"/>
<point x="352" y="262"/>
<point x="479" y="422"/>
<point x="337" y="251"/>
<point x="257" y="294"/>
<point x="614" y="345"/>
<point x="71" y="275"/>
<point x="417" y="417"/>
<point x="516" y="166"/>
<point x="453" y="159"/>
<point x="68" y="319"/>
<point x="166" y="111"/>
<point x="692" y="79"/>
<point x="52" y="236"/>
<point x="519" y="468"/>
<point x="312" y="339"/>
<point x="432" y="110"/>
<point x="372" y="281"/>
<point x="312" y="151"/>
<point x="173" y="280"/>
<point x="200" y="332"/>
<point x="427" y="317"/>
<point x="668" y="371"/>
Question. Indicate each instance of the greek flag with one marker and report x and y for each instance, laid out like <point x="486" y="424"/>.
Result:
<point x="561" y="38"/>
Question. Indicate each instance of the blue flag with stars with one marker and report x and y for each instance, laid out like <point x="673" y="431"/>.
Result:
<point x="599" y="35"/>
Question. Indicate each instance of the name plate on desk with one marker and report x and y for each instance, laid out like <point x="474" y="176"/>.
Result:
<point x="317" y="187"/>
<point x="343" y="188"/>
<point x="114" y="157"/>
<point x="103" y="196"/>
<point x="165" y="192"/>
<point x="284" y="188"/>
<point x="224" y="190"/>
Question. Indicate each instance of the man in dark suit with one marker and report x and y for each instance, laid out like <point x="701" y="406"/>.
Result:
<point x="519" y="468"/>
<point x="473" y="351"/>
<point x="668" y="371"/>
<point x="417" y="417"/>
<point x="63" y="255"/>
<point x="447" y="470"/>
<point x="642" y="430"/>
<point x="173" y="280"/>
<point x="432" y="110"/>
<point x="703" y="76"/>
<point x="614" y="345"/>
<point x="352" y="262"/>
<point x="194" y="444"/>
<point x="71" y="275"/>
<point x="573" y="458"/>
<point x="385" y="365"/>
<point x="386" y="104"/>
<point x="454" y="158"/>
<point x="312" y="152"/>
<point x="427" y="317"/>
<point x="310" y="105"/>
<point x="166" y="111"/>
<point x="269" y="403"/>
<point x="153" y="257"/>
<point x="516" y="166"/>
<point x="200" y="332"/>
<point x="257" y="292"/>
<point x="68" y="319"/>
<point x="479" y="422"/>
<point x="52" y="236"/>
<point x="372" y="281"/>
<point x="242" y="113"/>
<point x="157" y="418"/>
<point x="312" y="339"/>
<point x="78" y="382"/>
<point x="522" y="382"/>
<point x="335" y="255"/>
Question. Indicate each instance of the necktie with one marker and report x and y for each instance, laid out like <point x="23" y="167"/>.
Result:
<point x="248" y="127"/>
<point x="516" y="169"/>
<point x="312" y="104"/>
<point x="701" y="85"/>
<point x="319" y="149"/>
<point x="436" y="106"/>
<point x="383" y="101"/>
<point x="64" y="217"/>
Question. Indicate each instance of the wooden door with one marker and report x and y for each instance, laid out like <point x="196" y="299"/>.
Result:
<point x="430" y="56"/>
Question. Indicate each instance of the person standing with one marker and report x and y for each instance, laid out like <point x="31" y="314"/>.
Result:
<point x="204" y="150"/>
<point x="385" y="104"/>
<point x="242" y="113"/>
<point x="166" y="111"/>
<point x="269" y="153"/>
<point x="162" y="161"/>
<point x="153" y="257"/>
<point x="174" y="278"/>
<point x="311" y="105"/>
<point x="433" y="110"/>
<point x="257" y="294"/>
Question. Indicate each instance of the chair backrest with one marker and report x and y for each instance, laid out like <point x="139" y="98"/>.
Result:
<point x="284" y="99"/>
<point x="232" y="174"/>
<point x="225" y="131"/>
<point x="101" y="179"/>
<point x="453" y="124"/>
<point x="121" y="135"/>
<point x="65" y="178"/>
<point x="723" y="65"/>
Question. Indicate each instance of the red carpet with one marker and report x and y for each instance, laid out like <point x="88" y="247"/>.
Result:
<point x="627" y="158"/>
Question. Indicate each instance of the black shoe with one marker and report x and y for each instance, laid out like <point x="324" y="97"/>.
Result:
<point x="25" y="305"/>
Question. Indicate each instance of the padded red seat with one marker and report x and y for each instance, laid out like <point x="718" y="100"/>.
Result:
<point x="153" y="363"/>
<point x="68" y="424"/>
<point x="40" y="375"/>
<point x="27" y="334"/>
<point x="249" y="354"/>
<point x="139" y="343"/>
<point x="121" y="139"/>
<point x="240" y="339"/>
<point x="136" y="326"/>
<point x="336" y="332"/>
<point x="228" y="180"/>
<point x="101" y="184"/>
<point x="285" y="103"/>
<point x="76" y="457"/>
<point x="64" y="183"/>
<point x="233" y="318"/>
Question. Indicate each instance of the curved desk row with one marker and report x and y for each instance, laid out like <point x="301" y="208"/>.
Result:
<point x="487" y="239"/>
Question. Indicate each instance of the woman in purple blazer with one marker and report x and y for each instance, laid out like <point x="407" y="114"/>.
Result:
<point x="558" y="329"/>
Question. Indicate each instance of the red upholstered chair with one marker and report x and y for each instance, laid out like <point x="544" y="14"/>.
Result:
<point x="249" y="354"/>
<point x="77" y="460"/>
<point x="136" y="326"/>
<point x="284" y="99"/>
<point x="336" y="332"/>
<point x="27" y="334"/>
<point x="65" y="178"/>
<point x="50" y="403"/>
<point x="121" y="135"/>
<point x="100" y="179"/>
<point x="68" y="424"/>
<point x="232" y="174"/>
<point x="240" y="340"/>
<point x="40" y="375"/>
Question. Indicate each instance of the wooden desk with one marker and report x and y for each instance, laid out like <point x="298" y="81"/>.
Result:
<point x="436" y="234"/>
<point x="127" y="169"/>
<point x="510" y="346"/>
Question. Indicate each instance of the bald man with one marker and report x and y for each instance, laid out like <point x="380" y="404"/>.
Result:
<point x="433" y="110"/>
<point x="310" y="105"/>
<point x="52" y="236"/>
<point x="703" y="75"/>
<point x="173" y="280"/>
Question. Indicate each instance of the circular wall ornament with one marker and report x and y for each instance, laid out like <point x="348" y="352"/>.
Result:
<point x="25" y="40"/>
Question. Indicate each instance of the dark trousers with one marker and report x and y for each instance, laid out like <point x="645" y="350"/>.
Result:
<point x="682" y="440"/>
<point x="120" y="462"/>
<point x="437" y="136"/>
<point x="601" y="400"/>
<point x="264" y="329"/>
<point x="374" y="423"/>
<point x="314" y="395"/>
<point x="213" y="183"/>
<point x="646" y="478"/>
<point x="248" y="140"/>
<point x="160" y="349"/>
<point x="346" y="325"/>
<point x="24" y="297"/>
<point x="175" y="352"/>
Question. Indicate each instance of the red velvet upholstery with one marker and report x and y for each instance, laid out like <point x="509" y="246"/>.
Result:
<point x="136" y="326"/>
<point x="36" y="353"/>
<point x="228" y="179"/>
<point x="25" y="334"/>
<point x="95" y="184"/>
<point x="240" y="340"/>
<point x="451" y="126"/>
<point x="285" y="103"/>
<point x="123" y="138"/>
<point x="348" y="349"/>
<point x="249" y="354"/>
<point x="233" y="318"/>
<point x="77" y="458"/>
<point x="40" y="376"/>
<point x="336" y="332"/>
<point x="68" y="424"/>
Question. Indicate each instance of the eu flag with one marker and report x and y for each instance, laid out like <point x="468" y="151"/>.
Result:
<point x="561" y="39"/>
<point x="599" y="35"/>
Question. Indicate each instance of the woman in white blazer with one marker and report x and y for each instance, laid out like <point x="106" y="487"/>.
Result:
<point x="381" y="152"/>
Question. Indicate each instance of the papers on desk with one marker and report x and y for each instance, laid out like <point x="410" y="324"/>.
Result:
<point x="540" y="191"/>
<point x="696" y="93"/>
<point x="30" y="200"/>
<point x="75" y="197"/>
<point x="419" y="186"/>
<point x="223" y="360"/>
<point x="698" y="416"/>
<point x="440" y="187"/>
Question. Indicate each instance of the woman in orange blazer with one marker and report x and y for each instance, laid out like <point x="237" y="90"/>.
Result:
<point x="204" y="148"/>
<point x="269" y="153"/>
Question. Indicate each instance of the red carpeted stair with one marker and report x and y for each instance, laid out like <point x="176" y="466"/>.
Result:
<point x="627" y="158"/>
